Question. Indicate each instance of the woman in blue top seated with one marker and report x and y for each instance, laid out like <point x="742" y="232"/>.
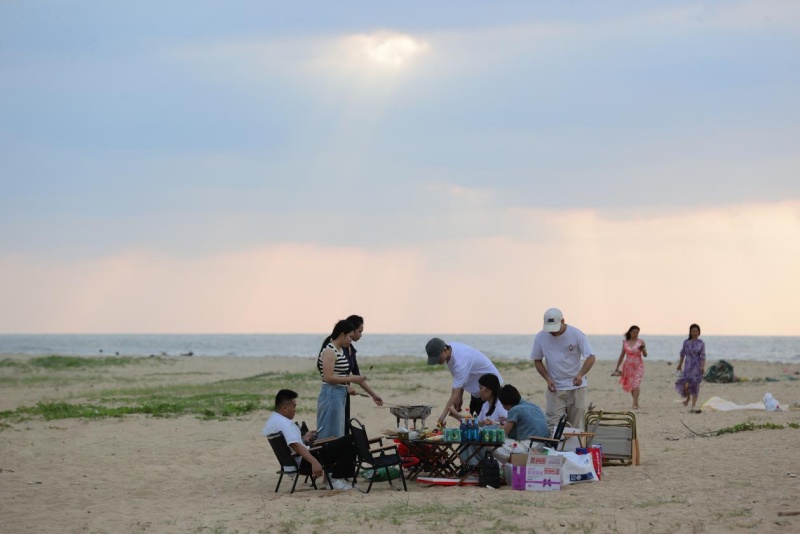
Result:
<point x="524" y="418"/>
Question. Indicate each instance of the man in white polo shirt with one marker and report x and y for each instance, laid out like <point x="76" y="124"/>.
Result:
<point x="567" y="358"/>
<point x="338" y="455"/>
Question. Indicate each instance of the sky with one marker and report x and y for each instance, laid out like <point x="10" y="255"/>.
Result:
<point x="436" y="167"/>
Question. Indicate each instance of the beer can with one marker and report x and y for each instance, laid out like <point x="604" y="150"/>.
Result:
<point x="488" y="435"/>
<point x="499" y="435"/>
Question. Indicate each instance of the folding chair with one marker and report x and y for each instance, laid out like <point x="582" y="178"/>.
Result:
<point x="375" y="459"/>
<point x="616" y="431"/>
<point x="557" y="435"/>
<point x="287" y="460"/>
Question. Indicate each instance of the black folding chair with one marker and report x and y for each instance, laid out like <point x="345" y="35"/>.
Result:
<point x="557" y="435"/>
<point x="287" y="460"/>
<point x="375" y="459"/>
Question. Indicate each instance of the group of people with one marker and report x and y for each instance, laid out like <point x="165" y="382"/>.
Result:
<point x="561" y="354"/>
<point x="691" y="366"/>
<point x="338" y="368"/>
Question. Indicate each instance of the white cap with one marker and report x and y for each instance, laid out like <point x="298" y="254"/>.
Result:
<point x="552" y="320"/>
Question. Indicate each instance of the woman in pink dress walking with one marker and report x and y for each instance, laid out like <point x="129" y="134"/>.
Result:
<point x="633" y="350"/>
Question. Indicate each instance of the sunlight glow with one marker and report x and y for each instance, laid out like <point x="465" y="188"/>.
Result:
<point x="386" y="49"/>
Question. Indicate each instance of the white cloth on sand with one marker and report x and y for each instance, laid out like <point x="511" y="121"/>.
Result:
<point x="721" y="405"/>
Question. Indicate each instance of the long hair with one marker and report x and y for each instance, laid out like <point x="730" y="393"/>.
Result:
<point x="628" y="333"/>
<point x="690" y="330"/>
<point x="341" y="327"/>
<point x="491" y="382"/>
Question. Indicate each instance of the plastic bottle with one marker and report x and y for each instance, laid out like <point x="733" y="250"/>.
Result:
<point x="476" y="429"/>
<point x="463" y="429"/>
<point x="303" y="429"/>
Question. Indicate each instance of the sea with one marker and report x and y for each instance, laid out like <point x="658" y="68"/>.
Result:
<point x="505" y="347"/>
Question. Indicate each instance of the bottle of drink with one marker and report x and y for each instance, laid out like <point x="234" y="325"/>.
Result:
<point x="463" y="429"/>
<point x="303" y="429"/>
<point x="476" y="429"/>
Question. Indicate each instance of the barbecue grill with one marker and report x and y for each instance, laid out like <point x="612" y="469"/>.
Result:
<point x="411" y="412"/>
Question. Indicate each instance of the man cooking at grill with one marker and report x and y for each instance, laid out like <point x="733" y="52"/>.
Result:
<point x="467" y="365"/>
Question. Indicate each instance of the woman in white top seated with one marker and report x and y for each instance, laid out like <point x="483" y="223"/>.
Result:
<point x="492" y="412"/>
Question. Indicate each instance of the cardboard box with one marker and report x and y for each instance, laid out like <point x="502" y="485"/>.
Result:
<point x="519" y="458"/>
<point x="540" y="473"/>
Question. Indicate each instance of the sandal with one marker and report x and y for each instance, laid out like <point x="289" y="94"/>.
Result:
<point x="695" y="411"/>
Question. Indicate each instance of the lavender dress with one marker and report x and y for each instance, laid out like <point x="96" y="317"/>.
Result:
<point x="694" y="353"/>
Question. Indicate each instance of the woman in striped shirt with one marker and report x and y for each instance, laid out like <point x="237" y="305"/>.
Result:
<point x="333" y="368"/>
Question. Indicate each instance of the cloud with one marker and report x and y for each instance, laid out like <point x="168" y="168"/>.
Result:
<point x="718" y="267"/>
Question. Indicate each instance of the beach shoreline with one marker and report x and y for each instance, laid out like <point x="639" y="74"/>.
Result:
<point x="139" y="473"/>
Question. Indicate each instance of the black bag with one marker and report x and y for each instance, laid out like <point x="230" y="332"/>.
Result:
<point x="489" y="471"/>
<point x="721" y="372"/>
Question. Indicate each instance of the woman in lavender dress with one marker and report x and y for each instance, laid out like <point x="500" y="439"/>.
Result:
<point x="693" y="354"/>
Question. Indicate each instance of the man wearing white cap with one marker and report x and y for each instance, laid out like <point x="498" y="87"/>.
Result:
<point x="568" y="357"/>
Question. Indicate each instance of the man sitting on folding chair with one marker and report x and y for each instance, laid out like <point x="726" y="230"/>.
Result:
<point x="337" y="456"/>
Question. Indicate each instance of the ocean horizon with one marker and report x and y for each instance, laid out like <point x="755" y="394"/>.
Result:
<point x="501" y="346"/>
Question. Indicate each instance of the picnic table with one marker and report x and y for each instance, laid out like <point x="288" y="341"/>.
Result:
<point x="443" y="459"/>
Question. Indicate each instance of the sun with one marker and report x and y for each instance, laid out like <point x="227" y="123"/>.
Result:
<point x="387" y="50"/>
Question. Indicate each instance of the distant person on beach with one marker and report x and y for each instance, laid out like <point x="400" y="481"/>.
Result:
<point x="350" y="354"/>
<point x="563" y="356"/>
<point x="467" y="365"/>
<point x="333" y="368"/>
<point x="525" y="419"/>
<point x="338" y="455"/>
<point x="633" y="350"/>
<point x="693" y="354"/>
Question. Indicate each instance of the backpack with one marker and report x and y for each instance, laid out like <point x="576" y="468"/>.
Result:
<point x="721" y="372"/>
<point x="489" y="471"/>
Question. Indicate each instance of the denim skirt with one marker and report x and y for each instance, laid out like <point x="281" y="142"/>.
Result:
<point x="330" y="410"/>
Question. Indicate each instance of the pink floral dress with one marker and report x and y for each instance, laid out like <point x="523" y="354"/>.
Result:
<point x="633" y="367"/>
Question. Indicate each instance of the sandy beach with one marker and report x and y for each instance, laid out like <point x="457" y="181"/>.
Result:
<point x="187" y="473"/>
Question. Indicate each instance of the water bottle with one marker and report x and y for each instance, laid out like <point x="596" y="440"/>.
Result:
<point x="303" y="429"/>
<point x="476" y="430"/>
<point x="464" y="429"/>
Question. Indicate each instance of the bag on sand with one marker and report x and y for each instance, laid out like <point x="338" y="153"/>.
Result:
<point x="503" y="453"/>
<point x="721" y="372"/>
<point x="576" y="467"/>
<point x="489" y="472"/>
<point x="379" y="475"/>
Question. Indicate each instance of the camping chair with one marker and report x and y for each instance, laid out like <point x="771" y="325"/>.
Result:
<point x="287" y="459"/>
<point x="557" y="435"/>
<point x="375" y="459"/>
<point x="616" y="431"/>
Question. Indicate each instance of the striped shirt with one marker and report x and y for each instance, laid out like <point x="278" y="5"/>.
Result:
<point x="341" y="366"/>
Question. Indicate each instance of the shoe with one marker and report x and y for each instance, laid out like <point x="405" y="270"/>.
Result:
<point x="341" y="484"/>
